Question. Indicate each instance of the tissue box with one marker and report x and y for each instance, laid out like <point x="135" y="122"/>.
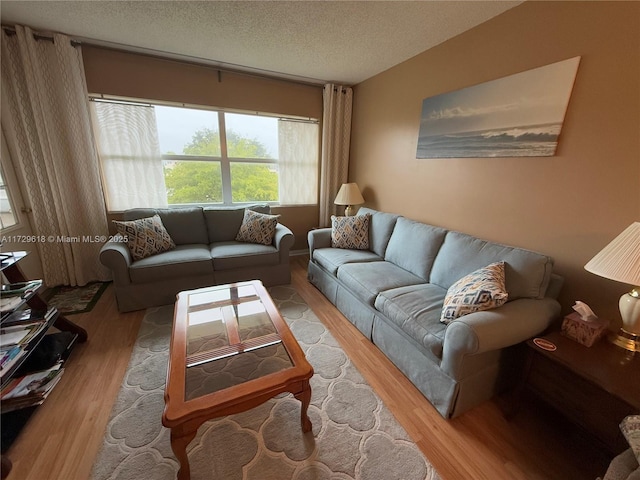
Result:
<point x="584" y="332"/>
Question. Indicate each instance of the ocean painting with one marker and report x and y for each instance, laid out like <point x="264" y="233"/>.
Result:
<point x="516" y="116"/>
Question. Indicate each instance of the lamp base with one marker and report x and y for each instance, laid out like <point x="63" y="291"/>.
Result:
<point x="350" y="211"/>
<point x="627" y="340"/>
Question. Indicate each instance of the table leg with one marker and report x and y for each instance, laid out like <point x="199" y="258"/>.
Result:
<point x="179" y="441"/>
<point x="305" y="398"/>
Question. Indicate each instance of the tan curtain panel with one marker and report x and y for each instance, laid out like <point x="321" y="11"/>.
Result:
<point x="336" y="138"/>
<point x="45" y="118"/>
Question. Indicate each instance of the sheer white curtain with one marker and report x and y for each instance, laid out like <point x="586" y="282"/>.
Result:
<point x="298" y="162"/>
<point x="45" y="118"/>
<point x="336" y="137"/>
<point x="129" y="150"/>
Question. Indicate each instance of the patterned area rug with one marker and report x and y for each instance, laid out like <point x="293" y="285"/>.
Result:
<point x="70" y="300"/>
<point x="354" y="435"/>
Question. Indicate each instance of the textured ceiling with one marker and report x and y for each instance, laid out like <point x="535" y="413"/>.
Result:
<point x="320" y="41"/>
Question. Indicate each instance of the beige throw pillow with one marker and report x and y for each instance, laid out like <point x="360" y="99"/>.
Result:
<point x="257" y="228"/>
<point x="350" y="232"/>
<point x="145" y="236"/>
<point x="480" y="290"/>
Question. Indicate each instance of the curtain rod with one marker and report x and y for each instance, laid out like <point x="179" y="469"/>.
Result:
<point x="47" y="37"/>
<point x="185" y="59"/>
<point x="143" y="102"/>
<point x="179" y="58"/>
<point x="201" y="62"/>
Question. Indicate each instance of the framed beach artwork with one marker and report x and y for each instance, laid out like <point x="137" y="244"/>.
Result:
<point x="516" y="116"/>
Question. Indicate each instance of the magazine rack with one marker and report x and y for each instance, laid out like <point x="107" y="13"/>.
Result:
<point x="13" y="422"/>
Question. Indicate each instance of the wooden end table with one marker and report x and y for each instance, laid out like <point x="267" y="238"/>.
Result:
<point x="231" y="351"/>
<point x="594" y="387"/>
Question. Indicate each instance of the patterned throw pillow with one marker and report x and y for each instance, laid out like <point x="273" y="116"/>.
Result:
<point x="481" y="290"/>
<point x="350" y="232"/>
<point x="257" y="228"/>
<point x="145" y="237"/>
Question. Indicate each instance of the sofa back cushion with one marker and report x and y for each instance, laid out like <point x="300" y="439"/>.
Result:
<point x="223" y="223"/>
<point x="380" y="228"/>
<point x="184" y="225"/>
<point x="413" y="246"/>
<point x="527" y="273"/>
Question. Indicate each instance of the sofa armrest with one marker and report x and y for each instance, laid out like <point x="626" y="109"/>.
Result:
<point x="318" y="238"/>
<point x="283" y="241"/>
<point x="480" y="332"/>
<point x="117" y="257"/>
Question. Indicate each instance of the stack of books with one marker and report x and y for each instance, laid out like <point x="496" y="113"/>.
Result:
<point x="29" y="390"/>
<point x="15" y="294"/>
<point x="9" y="356"/>
<point x="18" y="329"/>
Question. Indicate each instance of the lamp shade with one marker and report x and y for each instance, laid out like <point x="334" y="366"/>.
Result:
<point x="620" y="260"/>
<point x="349" y="194"/>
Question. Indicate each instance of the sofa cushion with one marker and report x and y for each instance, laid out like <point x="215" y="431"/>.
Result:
<point x="331" y="258"/>
<point x="183" y="261"/>
<point x="350" y="232"/>
<point x="232" y="255"/>
<point x="481" y="290"/>
<point x="257" y="228"/>
<point x="145" y="236"/>
<point x="414" y="246"/>
<point x="380" y="229"/>
<point x="366" y="280"/>
<point x="223" y="223"/>
<point x="184" y="225"/>
<point x="527" y="273"/>
<point x="416" y="311"/>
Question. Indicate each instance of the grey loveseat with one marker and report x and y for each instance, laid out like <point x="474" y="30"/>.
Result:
<point x="394" y="292"/>
<point x="206" y="253"/>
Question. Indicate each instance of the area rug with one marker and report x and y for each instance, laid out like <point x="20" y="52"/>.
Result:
<point x="354" y="435"/>
<point x="69" y="300"/>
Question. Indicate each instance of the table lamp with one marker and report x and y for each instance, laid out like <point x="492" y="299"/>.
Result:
<point x="349" y="195"/>
<point x="620" y="261"/>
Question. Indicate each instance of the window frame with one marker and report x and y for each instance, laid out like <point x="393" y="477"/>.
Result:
<point x="224" y="160"/>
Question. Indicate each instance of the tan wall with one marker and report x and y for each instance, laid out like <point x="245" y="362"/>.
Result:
<point x="568" y="206"/>
<point x="130" y="75"/>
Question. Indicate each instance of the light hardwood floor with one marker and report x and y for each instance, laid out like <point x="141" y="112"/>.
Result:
<point x="65" y="434"/>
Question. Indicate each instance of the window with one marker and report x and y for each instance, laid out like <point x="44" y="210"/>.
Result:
<point x="7" y="213"/>
<point x="204" y="156"/>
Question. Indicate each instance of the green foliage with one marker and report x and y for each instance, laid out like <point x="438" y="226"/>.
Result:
<point x="239" y="147"/>
<point x="193" y="182"/>
<point x="251" y="183"/>
<point x="201" y="181"/>
<point x="205" y="142"/>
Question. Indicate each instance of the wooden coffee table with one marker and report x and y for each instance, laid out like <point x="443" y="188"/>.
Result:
<point x="230" y="351"/>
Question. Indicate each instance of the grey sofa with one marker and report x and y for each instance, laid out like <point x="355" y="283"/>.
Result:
<point x="394" y="292"/>
<point x="206" y="253"/>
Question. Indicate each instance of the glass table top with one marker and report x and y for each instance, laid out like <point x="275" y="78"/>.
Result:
<point x="231" y="339"/>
